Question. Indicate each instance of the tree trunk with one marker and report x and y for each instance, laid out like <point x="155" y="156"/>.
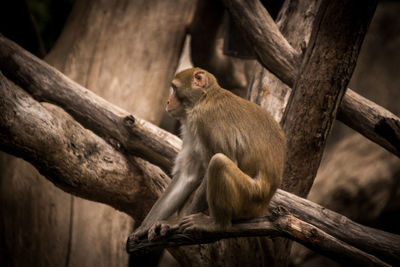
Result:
<point x="295" y="21"/>
<point x="365" y="187"/>
<point x="124" y="52"/>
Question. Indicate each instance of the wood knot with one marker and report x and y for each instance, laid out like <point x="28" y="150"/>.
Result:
<point x="129" y="120"/>
<point x="277" y="212"/>
<point x="115" y="143"/>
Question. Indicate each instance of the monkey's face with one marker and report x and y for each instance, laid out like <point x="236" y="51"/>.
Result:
<point x="174" y="105"/>
<point x="187" y="89"/>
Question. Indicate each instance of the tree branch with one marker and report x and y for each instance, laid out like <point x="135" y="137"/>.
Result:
<point x="269" y="44"/>
<point x="285" y="222"/>
<point x="378" y="124"/>
<point x="119" y="128"/>
<point x="374" y="241"/>
<point x="326" y="70"/>
<point x="73" y="158"/>
<point x="351" y="113"/>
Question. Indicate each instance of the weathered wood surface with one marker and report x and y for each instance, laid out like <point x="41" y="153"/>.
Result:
<point x="310" y="224"/>
<point x="118" y="127"/>
<point x="387" y="138"/>
<point x="377" y="242"/>
<point x="74" y="158"/>
<point x="268" y="42"/>
<point x="378" y="124"/>
<point x="326" y="71"/>
<point x="295" y="21"/>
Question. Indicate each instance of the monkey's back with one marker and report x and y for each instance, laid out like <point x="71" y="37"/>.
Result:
<point x="241" y="130"/>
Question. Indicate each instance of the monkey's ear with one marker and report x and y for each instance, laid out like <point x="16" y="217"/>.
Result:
<point x="199" y="78"/>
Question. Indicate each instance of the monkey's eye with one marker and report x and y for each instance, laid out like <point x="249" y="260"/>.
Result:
<point x="173" y="89"/>
<point x="173" y="86"/>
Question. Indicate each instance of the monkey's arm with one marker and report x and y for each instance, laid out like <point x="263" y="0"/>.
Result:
<point x="199" y="202"/>
<point x="171" y="200"/>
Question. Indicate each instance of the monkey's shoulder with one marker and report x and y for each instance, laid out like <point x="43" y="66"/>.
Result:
<point x="228" y="122"/>
<point x="225" y="108"/>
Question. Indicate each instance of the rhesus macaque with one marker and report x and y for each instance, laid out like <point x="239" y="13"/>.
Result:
<point x="233" y="154"/>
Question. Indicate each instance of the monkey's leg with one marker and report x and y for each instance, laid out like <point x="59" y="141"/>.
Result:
<point x="199" y="202"/>
<point x="232" y="194"/>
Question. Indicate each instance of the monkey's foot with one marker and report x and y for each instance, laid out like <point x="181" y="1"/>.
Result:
<point x="197" y="223"/>
<point x="139" y="234"/>
<point x="161" y="229"/>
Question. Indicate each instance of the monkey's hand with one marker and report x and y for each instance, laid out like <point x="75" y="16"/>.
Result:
<point x="162" y="229"/>
<point x="197" y="223"/>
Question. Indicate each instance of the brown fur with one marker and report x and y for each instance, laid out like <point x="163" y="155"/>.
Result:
<point x="240" y="146"/>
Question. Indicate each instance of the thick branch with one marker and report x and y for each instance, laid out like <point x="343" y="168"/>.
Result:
<point x="282" y="223"/>
<point x="118" y="127"/>
<point x="326" y="70"/>
<point x="380" y="243"/>
<point x="351" y="113"/>
<point x="268" y="42"/>
<point x="73" y="158"/>
<point x="378" y="124"/>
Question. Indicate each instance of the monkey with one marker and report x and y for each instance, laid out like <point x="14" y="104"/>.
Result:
<point x="231" y="161"/>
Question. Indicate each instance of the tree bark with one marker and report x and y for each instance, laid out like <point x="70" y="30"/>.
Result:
<point x="377" y="123"/>
<point x="324" y="231"/>
<point x="295" y="21"/>
<point x="326" y="70"/>
<point x="256" y="23"/>
<point x="364" y="187"/>
<point x="74" y="158"/>
<point x="121" y="129"/>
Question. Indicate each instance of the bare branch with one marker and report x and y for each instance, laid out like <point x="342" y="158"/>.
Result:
<point x="326" y="70"/>
<point x="377" y="123"/>
<point x="268" y="42"/>
<point x="73" y="158"/>
<point x="377" y="242"/>
<point x="115" y="125"/>
<point x="282" y="222"/>
<point x="353" y="107"/>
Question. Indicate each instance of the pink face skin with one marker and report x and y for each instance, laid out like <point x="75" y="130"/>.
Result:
<point x="174" y="107"/>
<point x="172" y="102"/>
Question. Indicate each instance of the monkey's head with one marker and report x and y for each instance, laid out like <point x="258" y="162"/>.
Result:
<point x="187" y="89"/>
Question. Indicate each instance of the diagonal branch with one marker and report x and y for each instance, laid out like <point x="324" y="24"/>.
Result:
<point x="355" y="111"/>
<point x="374" y="241"/>
<point x="74" y="158"/>
<point x="115" y="125"/>
<point x="268" y="42"/>
<point x="280" y="223"/>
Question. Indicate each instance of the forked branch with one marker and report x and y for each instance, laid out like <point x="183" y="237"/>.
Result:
<point x="371" y="120"/>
